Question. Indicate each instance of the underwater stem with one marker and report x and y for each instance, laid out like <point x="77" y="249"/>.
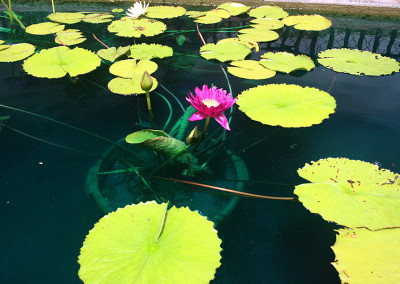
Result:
<point x="201" y="36"/>
<point x="100" y="41"/>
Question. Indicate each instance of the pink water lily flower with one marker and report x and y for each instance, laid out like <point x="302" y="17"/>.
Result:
<point x="211" y="102"/>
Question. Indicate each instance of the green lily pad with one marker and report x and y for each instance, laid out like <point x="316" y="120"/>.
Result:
<point x="165" y="12"/>
<point x="131" y="86"/>
<point x="128" y="68"/>
<point x="126" y="246"/>
<point x="149" y="51"/>
<point x="56" y="62"/>
<point x="98" y="18"/>
<point x="141" y="136"/>
<point x="44" y="28"/>
<point x="4" y="46"/>
<point x="351" y="193"/>
<point x="112" y="54"/>
<point x="357" y="62"/>
<point x="271" y="24"/>
<point x="222" y="13"/>
<point x="208" y="19"/>
<point x="225" y="51"/>
<point x="286" y="105"/>
<point x="249" y="44"/>
<point x="195" y="14"/>
<point x="2" y="41"/>
<point x="364" y="256"/>
<point x="117" y="10"/>
<point x="272" y="12"/>
<point x="259" y="35"/>
<point x="250" y="69"/>
<point x="234" y="8"/>
<point x="69" y="37"/>
<point x="66" y="18"/>
<point x="286" y="62"/>
<point x="16" y="52"/>
<point x="127" y="27"/>
<point x="308" y="22"/>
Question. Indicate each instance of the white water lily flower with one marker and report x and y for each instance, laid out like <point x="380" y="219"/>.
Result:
<point x="137" y="9"/>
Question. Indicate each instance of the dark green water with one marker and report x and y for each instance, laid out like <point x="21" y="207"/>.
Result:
<point x="45" y="214"/>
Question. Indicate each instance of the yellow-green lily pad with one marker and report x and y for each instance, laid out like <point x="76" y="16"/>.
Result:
<point x="66" y="18"/>
<point x="286" y="62"/>
<point x="4" y="46"/>
<point x="2" y="41"/>
<point x="149" y="51"/>
<point x="351" y="193"/>
<point x="128" y="68"/>
<point x="272" y="12"/>
<point x="208" y="19"/>
<point x="148" y="243"/>
<point x="222" y="13"/>
<point x="286" y="105"/>
<point x="98" y="18"/>
<point x="117" y="10"/>
<point x="44" y="28"/>
<point x="226" y="51"/>
<point x="69" y="37"/>
<point x="308" y="22"/>
<point x="165" y="12"/>
<point x="129" y="86"/>
<point x="16" y="52"/>
<point x="364" y="256"/>
<point x="127" y="27"/>
<point x="357" y="62"/>
<point x="234" y="8"/>
<point x="112" y="53"/>
<point x="195" y="14"/>
<point x="249" y="44"/>
<point x="271" y="24"/>
<point x="250" y="69"/>
<point x="59" y="61"/>
<point x="258" y="35"/>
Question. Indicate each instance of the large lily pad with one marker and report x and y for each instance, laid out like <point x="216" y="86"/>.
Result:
<point x="56" y="62"/>
<point x="16" y="52"/>
<point x="272" y="12"/>
<point x="112" y="53"/>
<point x="271" y="24"/>
<point x="69" y="37"/>
<point x="126" y="246"/>
<point x="226" y="51"/>
<point x="149" y="51"/>
<point x="66" y="18"/>
<point x="357" y="62"/>
<point x="44" y="28"/>
<point x="234" y="8"/>
<point x="127" y="27"/>
<point x="286" y="105"/>
<point x="250" y="44"/>
<point x="129" y="86"/>
<point x="128" y="68"/>
<point x="250" y="69"/>
<point x="259" y="35"/>
<point x="351" y="193"/>
<point x="364" y="256"/>
<point x="286" y="62"/>
<point x="98" y="18"/>
<point x="165" y="12"/>
<point x="208" y="19"/>
<point x="308" y="22"/>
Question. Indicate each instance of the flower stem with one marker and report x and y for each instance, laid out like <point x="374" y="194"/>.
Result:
<point x="150" y="110"/>
<point x="202" y="134"/>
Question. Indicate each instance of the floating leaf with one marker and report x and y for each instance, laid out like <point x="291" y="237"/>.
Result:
<point x="195" y="14"/>
<point x="149" y="51"/>
<point x="364" y="256"/>
<point x="234" y="8"/>
<point x="124" y="86"/>
<point x="16" y="52"/>
<point x="117" y="10"/>
<point x="286" y="105"/>
<point x="225" y="51"/>
<point x="250" y="69"/>
<point x="208" y="19"/>
<point x="272" y="12"/>
<point x="56" y="62"/>
<point x="127" y="27"/>
<point x="2" y="41"/>
<point x="165" y="12"/>
<point x="222" y="13"/>
<point x="4" y="46"/>
<point x="69" y="37"/>
<point x="126" y="246"/>
<point x="286" y="62"/>
<point x="271" y="24"/>
<point x="249" y="44"/>
<point x="357" y="62"/>
<point x="308" y="22"/>
<point x="66" y="18"/>
<point x="98" y="18"/>
<point x="128" y="68"/>
<point x="141" y="136"/>
<point x="351" y="193"/>
<point x="112" y="54"/>
<point x="44" y="28"/>
<point x="259" y="35"/>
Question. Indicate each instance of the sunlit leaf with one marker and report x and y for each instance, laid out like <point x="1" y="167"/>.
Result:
<point x="97" y="18"/>
<point x="249" y="44"/>
<point x="222" y="13"/>
<point x="286" y="105"/>
<point x="117" y="10"/>
<point x="351" y="193"/>
<point x="308" y="22"/>
<point x="357" y="62"/>
<point x="165" y="12"/>
<point x="112" y="54"/>
<point x="56" y="62"/>
<point x="127" y="27"/>
<point x="69" y="37"/>
<point x="149" y="51"/>
<point x="128" y="68"/>
<point x="259" y="35"/>
<point x="250" y="69"/>
<point x="272" y="12"/>
<point x="286" y="62"/>
<point x="195" y="14"/>
<point x="208" y="19"/>
<point x="126" y="246"/>
<point x="131" y="86"/>
<point x="44" y="28"/>
<point x="234" y="8"/>
<point x="4" y="46"/>
<point x="225" y="51"/>
<point x="66" y="18"/>
<point x="16" y="52"/>
<point x="267" y="23"/>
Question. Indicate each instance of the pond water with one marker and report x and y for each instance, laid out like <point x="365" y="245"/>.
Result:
<point x="45" y="213"/>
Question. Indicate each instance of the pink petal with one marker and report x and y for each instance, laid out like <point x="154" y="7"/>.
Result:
<point x="197" y="116"/>
<point x="221" y="119"/>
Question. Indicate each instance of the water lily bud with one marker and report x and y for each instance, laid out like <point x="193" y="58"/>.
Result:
<point x="194" y="136"/>
<point x="147" y="82"/>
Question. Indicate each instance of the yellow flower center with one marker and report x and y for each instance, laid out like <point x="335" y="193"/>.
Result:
<point x="210" y="103"/>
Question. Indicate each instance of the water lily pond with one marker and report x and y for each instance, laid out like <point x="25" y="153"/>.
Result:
<point x="288" y="104"/>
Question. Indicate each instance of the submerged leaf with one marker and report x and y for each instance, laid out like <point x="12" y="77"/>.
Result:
<point x="112" y="54"/>
<point x="16" y="52"/>
<point x="250" y="69"/>
<point x="128" y="68"/>
<point x="226" y="51"/>
<point x="69" y="37"/>
<point x="129" y="86"/>
<point x="286" y="105"/>
<point x="308" y="22"/>
<point x="149" y="51"/>
<point x="66" y="18"/>
<point x="271" y="12"/>
<point x="44" y="28"/>
<point x="286" y="62"/>
<point x="165" y="12"/>
<point x="127" y="27"/>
